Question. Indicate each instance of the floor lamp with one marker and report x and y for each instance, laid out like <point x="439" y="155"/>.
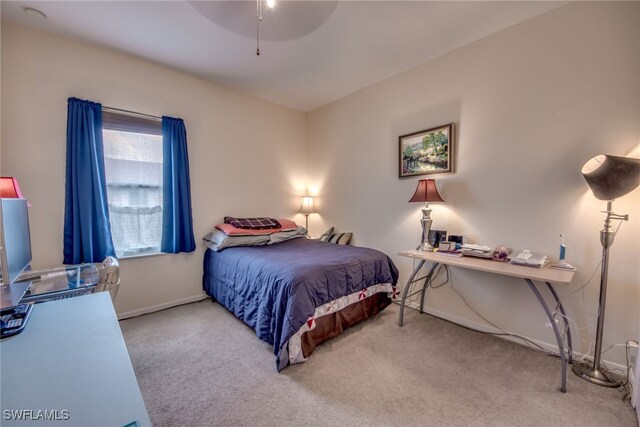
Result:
<point x="609" y="178"/>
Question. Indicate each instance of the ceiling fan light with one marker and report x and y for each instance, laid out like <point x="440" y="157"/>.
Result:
<point x="271" y="3"/>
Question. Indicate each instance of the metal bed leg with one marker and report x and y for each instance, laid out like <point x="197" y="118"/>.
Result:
<point x="427" y="280"/>
<point x="406" y="291"/>
<point x="563" y="360"/>
<point x="565" y="321"/>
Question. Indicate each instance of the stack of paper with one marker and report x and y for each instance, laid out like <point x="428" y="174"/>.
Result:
<point x="477" y="251"/>
<point x="454" y="253"/>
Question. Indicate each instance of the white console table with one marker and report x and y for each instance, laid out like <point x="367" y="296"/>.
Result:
<point x="71" y="357"/>
<point x="529" y="274"/>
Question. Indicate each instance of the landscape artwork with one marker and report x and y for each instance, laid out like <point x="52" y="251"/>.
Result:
<point x="427" y="152"/>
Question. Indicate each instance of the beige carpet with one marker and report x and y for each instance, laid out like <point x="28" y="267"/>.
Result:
<point x="197" y="365"/>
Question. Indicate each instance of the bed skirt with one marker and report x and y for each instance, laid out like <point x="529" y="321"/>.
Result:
<point x="331" y="319"/>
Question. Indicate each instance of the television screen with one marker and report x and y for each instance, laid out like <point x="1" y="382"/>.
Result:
<point x="15" y="238"/>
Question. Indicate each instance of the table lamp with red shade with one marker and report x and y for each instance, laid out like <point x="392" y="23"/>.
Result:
<point x="426" y="192"/>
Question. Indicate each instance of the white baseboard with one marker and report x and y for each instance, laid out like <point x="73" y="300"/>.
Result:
<point x="151" y="309"/>
<point x="553" y="348"/>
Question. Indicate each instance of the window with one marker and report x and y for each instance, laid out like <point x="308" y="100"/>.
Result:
<point x="133" y="168"/>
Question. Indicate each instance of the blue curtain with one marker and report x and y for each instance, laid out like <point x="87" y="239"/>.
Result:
<point x="87" y="233"/>
<point x="177" y="225"/>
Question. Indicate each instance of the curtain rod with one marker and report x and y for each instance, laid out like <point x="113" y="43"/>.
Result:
<point x="132" y="113"/>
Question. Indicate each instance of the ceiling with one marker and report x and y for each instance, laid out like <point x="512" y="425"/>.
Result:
<point x="312" y="52"/>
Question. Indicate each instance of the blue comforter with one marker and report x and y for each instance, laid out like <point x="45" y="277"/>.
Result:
<point x="275" y="289"/>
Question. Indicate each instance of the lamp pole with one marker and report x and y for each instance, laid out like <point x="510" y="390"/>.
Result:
<point x="594" y="373"/>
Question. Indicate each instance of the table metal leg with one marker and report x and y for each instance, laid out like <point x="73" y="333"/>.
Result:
<point x="567" y="327"/>
<point x="556" y="331"/>
<point x="427" y="280"/>
<point x="406" y="291"/>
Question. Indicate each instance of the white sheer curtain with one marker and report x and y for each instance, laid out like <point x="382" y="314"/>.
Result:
<point x="133" y="165"/>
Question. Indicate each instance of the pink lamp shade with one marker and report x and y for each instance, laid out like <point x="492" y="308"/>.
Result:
<point x="426" y="191"/>
<point x="9" y="189"/>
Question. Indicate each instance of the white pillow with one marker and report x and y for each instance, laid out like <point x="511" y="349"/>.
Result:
<point x="217" y="240"/>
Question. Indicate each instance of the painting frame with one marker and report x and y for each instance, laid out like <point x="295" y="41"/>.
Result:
<point x="440" y="155"/>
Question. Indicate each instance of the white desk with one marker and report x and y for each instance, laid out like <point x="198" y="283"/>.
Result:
<point x="71" y="357"/>
<point x="529" y="274"/>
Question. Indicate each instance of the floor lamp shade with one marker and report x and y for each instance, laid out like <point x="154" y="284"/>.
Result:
<point x="609" y="177"/>
<point x="426" y="192"/>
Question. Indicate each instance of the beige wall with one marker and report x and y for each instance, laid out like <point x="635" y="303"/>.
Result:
<point x="244" y="153"/>
<point x="532" y="104"/>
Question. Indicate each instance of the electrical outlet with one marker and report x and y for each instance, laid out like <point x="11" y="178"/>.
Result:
<point x="556" y="319"/>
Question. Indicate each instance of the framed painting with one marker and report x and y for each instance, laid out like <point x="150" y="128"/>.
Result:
<point x="427" y="152"/>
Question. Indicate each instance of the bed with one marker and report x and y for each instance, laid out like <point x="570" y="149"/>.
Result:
<point x="298" y="293"/>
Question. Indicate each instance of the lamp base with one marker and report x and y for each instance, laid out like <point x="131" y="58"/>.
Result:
<point x="425" y="246"/>
<point x="426" y="222"/>
<point x="595" y="376"/>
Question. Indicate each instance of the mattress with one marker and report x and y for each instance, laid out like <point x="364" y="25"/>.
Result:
<point x="285" y="290"/>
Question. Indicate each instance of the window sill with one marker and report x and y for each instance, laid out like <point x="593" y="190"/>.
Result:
<point x="152" y="254"/>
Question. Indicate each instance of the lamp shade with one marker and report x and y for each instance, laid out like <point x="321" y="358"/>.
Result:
<point x="426" y="191"/>
<point x="307" y="205"/>
<point x="610" y="177"/>
<point x="9" y="189"/>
